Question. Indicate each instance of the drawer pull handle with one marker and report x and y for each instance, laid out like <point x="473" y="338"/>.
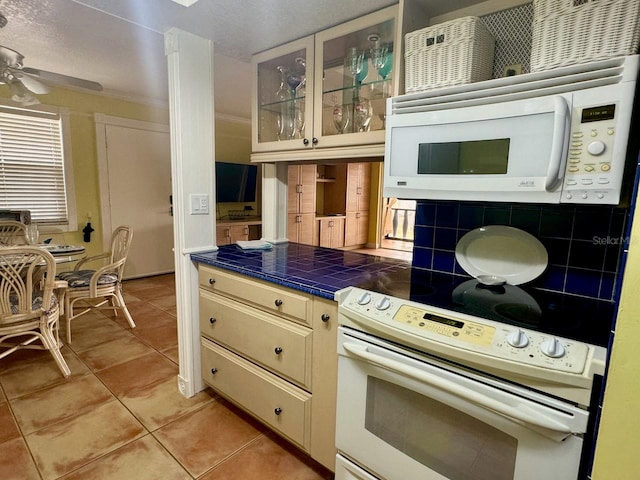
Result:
<point x="325" y="317"/>
<point x="277" y="411"/>
<point x="212" y="320"/>
<point x="278" y="302"/>
<point x="278" y="350"/>
<point x="212" y="281"/>
<point x="214" y="370"/>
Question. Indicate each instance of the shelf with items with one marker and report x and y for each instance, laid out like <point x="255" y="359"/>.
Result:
<point x="350" y="67"/>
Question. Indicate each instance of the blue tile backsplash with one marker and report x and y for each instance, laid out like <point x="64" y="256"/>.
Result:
<point x="583" y="242"/>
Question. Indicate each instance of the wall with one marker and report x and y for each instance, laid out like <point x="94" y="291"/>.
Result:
<point x="233" y="143"/>
<point x="81" y="107"/>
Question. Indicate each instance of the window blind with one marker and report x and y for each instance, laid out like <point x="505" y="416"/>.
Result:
<point x="32" y="165"/>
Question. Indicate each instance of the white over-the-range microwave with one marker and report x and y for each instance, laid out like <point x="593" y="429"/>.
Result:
<point x="559" y="136"/>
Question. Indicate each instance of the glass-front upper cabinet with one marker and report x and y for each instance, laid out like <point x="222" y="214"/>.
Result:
<point x="328" y="89"/>
<point x="356" y="67"/>
<point x="283" y="91"/>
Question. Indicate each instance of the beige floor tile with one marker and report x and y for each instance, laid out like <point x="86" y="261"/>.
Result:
<point x="66" y="446"/>
<point x="140" y="309"/>
<point x="142" y="459"/>
<point x="202" y="439"/>
<point x="38" y="372"/>
<point x="167" y="303"/>
<point x="59" y="402"/>
<point x="172" y="353"/>
<point x="267" y="458"/>
<point x="160" y="337"/>
<point x="162" y="403"/>
<point x="141" y="283"/>
<point x="152" y="317"/>
<point x="154" y="292"/>
<point x="16" y="462"/>
<point x="8" y="427"/>
<point x="114" y="352"/>
<point x="91" y="330"/>
<point x="138" y="373"/>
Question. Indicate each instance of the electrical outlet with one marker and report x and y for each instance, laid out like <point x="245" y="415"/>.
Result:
<point x="199" y="204"/>
<point x="511" y="70"/>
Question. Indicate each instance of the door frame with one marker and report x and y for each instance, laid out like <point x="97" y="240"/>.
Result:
<point x="101" y="122"/>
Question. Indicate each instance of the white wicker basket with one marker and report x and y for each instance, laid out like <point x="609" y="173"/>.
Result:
<point x="450" y="53"/>
<point x="566" y="32"/>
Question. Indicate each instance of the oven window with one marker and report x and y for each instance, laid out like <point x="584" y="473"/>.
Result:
<point x="476" y="157"/>
<point x="450" y="442"/>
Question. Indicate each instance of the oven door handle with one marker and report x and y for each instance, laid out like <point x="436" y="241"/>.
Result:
<point x="520" y="414"/>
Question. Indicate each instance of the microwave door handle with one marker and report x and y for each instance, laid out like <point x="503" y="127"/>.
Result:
<point x="562" y="126"/>
<point x="521" y="415"/>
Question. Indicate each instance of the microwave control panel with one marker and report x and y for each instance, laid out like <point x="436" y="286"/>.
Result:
<point x="590" y="172"/>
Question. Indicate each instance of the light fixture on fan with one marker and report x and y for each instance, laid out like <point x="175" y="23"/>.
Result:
<point x="19" y="92"/>
<point x="25" y="83"/>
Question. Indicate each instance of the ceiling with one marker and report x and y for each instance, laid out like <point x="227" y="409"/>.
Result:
<point x="119" y="43"/>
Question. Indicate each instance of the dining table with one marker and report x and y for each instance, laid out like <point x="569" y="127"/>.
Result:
<point x="64" y="253"/>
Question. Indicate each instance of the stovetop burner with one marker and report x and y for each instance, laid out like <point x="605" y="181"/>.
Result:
<point x="578" y="318"/>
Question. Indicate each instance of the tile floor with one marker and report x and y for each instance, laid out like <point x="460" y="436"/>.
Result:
<point x="120" y="415"/>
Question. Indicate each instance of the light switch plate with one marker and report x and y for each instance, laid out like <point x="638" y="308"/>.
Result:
<point x="199" y="204"/>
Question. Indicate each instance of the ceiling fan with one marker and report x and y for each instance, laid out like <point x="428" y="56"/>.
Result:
<point x="25" y="82"/>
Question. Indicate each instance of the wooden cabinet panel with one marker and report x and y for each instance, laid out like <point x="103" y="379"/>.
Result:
<point x="228" y="234"/>
<point x="301" y="204"/>
<point x="282" y="406"/>
<point x="281" y="346"/>
<point x="301" y="228"/>
<point x="357" y="213"/>
<point x="331" y="232"/>
<point x="358" y="187"/>
<point x="356" y="228"/>
<point x="279" y="301"/>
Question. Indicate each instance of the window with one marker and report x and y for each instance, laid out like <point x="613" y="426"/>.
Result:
<point x="35" y="165"/>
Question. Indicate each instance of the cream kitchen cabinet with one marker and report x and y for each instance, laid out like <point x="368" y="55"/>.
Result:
<point x="272" y="351"/>
<point x="322" y="95"/>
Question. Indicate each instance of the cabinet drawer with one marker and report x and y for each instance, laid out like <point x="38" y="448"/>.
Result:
<point x="280" y="345"/>
<point x="279" y="301"/>
<point x="280" y="405"/>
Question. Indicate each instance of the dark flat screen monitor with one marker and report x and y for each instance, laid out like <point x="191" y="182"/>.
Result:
<point x="235" y="182"/>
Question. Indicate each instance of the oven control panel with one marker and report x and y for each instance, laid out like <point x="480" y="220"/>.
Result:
<point x="440" y="331"/>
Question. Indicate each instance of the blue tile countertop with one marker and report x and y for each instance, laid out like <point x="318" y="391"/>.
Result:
<point x="315" y="270"/>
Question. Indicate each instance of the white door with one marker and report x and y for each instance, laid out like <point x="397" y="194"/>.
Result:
<point x="135" y="184"/>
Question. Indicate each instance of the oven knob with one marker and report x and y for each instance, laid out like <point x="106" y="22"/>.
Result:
<point x="552" y="348"/>
<point x="596" y="148"/>
<point x="364" y="298"/>
<point x="518" y="339"/>
<point x="383" y="303"/>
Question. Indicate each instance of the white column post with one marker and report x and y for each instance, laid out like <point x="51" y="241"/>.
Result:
<point x="274" y="202"/>
<point x="190" y="64"/>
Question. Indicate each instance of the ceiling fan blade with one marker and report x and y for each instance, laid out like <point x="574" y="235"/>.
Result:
<point x="31" y="83"/>
<point x="61" y="79"/>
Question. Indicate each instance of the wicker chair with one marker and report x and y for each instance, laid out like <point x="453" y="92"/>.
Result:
<point x="100" y="288"/>
<point x="29" y="305"/>
<point x="10" y="231"/>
